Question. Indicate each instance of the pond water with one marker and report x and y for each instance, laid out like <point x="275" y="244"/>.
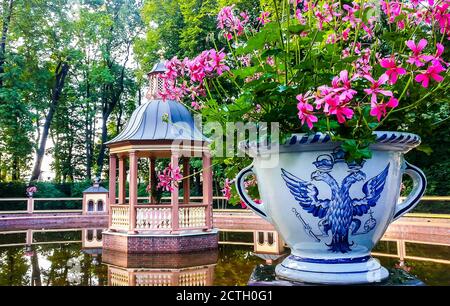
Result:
<point x="75" y="257"/>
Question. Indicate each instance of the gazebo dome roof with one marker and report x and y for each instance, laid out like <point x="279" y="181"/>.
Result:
<point x="160" y="120"/>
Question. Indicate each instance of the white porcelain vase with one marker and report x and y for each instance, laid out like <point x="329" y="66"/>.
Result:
<point x="332" y="213"/>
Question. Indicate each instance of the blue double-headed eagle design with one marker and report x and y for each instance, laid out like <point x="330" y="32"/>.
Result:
<point x="339" y="213"/>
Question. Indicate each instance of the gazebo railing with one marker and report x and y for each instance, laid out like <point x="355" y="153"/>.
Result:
<point x="158" y="217"/>
<point x="192" y="216"/>
<point x="153" y="217"/>
<point x="120" y="217"/>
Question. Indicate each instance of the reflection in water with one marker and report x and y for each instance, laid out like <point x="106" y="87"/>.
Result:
<point x="190" y="269"/>
<point x="75" y="257"/>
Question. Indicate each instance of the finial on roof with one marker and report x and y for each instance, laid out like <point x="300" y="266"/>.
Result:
<point x="161" y="53"/>
<point x="96" y="182"/>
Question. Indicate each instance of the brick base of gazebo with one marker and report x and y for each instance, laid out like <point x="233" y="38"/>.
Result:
<point x="154" y="244"/>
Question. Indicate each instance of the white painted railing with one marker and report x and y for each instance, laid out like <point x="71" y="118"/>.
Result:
<point x="120" y="217"/>
<point x="192" y="217"/>
<point x="153" y="217"/>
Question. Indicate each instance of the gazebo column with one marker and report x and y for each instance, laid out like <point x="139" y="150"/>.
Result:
<point x="152" y="171"/>
<point x="112" y="184"/>
<point x="207" y="188"/>
<point x="186" y="181"/>
<point x="122" y="180"/>
<point x="174" y="195"/>
<point x="133" y="190"/>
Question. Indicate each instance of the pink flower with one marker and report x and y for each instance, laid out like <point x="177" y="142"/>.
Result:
<point x="270" y="61"/>
<point x="438" y="54"/>
<point x="392" y="9"/>
<point x="226" y="191"/>
<point x="375" y="89"/>
<point x="227" y="21"/>
<point x="245" y="60"/>
<point x="215" y="61"/>
<point x="345" y="33"/>
<point x="351" y="14"/>
<point x="332" y="38"/>
<point x="195" y="105"/>
<point x="379" y="109"/>
<point x="336" y="107"/>
<point x="368" y="30"/>
<point x="417" y="58"/>
<point x="169" y="178"/>
<point x="344" y="86"/>
<point x="32" y="189"/>
<point x="172" y="68"/>
<point x="228" y="36"/>
<point x="305" y="112"/>
<point x="393" y="70"/>
<point x="322" y="18"/>
<point x="264" y="18"/>
<point x="300" y="18"/>
<point x="432" y="72"/>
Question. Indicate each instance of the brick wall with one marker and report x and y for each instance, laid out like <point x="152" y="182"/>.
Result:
<point x="152" y="244"/>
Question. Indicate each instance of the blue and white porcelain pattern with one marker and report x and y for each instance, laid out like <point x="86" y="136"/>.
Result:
<point x="332" y="213"/>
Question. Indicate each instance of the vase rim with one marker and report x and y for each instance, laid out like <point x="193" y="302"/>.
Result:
<point x="385" y="141"/>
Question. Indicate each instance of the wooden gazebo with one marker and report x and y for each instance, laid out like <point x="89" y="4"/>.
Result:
<point x="158" y="129"/>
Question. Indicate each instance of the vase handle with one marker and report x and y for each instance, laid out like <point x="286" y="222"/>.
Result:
<point x="259" y="209"/>
<point x="419" y="185"/>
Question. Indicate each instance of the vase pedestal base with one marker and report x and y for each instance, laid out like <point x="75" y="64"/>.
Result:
<point x="331" y="271"/>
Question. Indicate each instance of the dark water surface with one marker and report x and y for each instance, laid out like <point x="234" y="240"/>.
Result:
<point x="75" y="257"/>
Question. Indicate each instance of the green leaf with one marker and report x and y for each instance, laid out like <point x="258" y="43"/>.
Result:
<point x="270" y="33"/>
<point x="297" y="29"/>
<point x="425" y="149"/>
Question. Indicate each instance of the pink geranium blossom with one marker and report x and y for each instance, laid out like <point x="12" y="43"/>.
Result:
<point x="379" y="109"/>
<point x="264" y="18"/>
<point x="375" y="87"/>
<point x="351" y="14"/>
<point x="300" y="18"/>
<point x="230" y="23"/>
<point x="417" y="58"/>
<point x="334" y="106"/>
<point x="343" y="86"/>
<point x="433" y="72"/>
<point x="195" y="105"/>
<point x="322" y="18"/>
<point x="393" y="70"/>
<point x="216" y="62"/>
<point x="305" y="111"/>
<point x="169" y="178"/>
<point x="226" y="191"/>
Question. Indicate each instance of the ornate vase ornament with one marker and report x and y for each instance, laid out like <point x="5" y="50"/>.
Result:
<point x="31" y="190"/>
<point x="331" y="212"/>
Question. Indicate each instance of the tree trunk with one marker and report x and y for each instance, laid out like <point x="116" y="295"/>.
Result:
<point x="5" y="29"/>
<point x="36" y="271"/>
<point x="108" y="107"/>
<point x="88" y="128"/>
<point x="60" y="76"/>
<point x="15" y="169"/>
